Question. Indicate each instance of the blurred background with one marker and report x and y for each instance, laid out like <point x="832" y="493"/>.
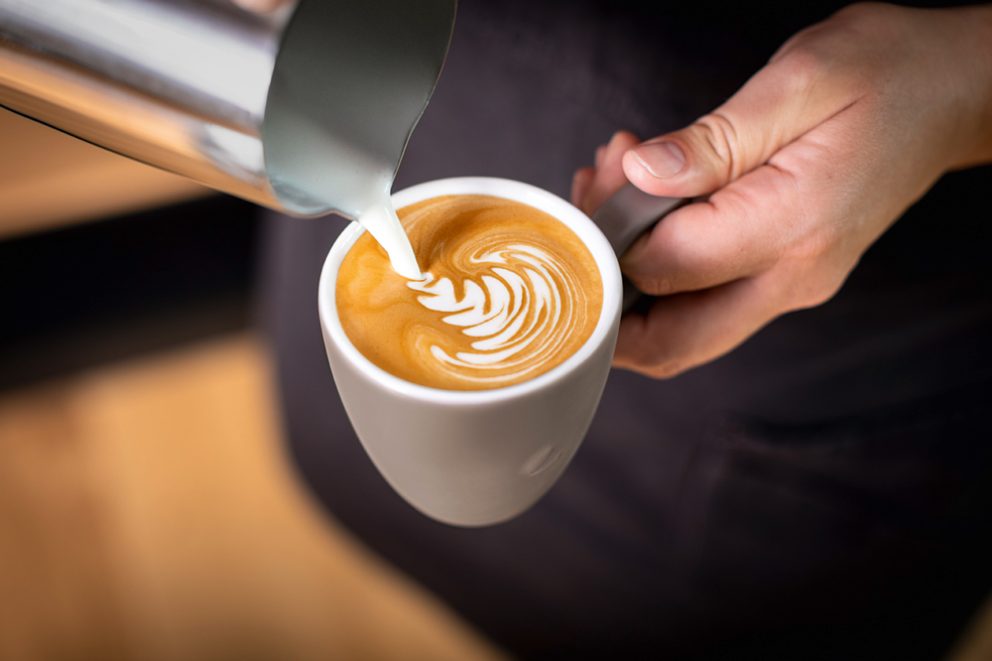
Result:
<point x="148" y="508"/>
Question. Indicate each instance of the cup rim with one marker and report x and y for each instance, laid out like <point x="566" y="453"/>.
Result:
<point x="575" y="219"/>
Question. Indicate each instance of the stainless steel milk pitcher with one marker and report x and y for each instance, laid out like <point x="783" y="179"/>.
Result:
<point x="292" y="110"/>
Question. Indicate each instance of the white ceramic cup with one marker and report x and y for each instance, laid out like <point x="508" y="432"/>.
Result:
<point x="474" y="458"/>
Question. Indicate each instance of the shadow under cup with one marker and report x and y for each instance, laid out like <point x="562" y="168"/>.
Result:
<point x="478" y="457"/>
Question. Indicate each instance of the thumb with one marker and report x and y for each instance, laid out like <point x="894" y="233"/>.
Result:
<point x="777" y="105"/>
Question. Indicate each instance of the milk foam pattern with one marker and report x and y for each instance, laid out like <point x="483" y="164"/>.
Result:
<point x="508" y="292"/>
<point x="518" y="312"/>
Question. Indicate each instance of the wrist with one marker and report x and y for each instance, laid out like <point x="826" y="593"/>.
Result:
<point x="975" y="76"/>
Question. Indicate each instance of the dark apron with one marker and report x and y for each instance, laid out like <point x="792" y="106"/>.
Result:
<point x="825" y="491"/>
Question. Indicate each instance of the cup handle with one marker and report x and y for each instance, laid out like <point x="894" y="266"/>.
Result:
<point x="625" y="216"/>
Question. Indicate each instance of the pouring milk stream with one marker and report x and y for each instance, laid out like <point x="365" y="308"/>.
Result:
<point x="306" y="110"/>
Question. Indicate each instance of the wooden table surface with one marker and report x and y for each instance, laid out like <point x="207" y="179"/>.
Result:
<point x="148" y="511"/>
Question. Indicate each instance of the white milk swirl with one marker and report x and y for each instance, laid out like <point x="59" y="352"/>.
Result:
<point x="513" y="313"/>
<point x="508" y="293"/>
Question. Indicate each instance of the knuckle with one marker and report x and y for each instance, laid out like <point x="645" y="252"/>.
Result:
<point x="655" y="362"/>
<point x="810" y="232"/>
<point x="716" y="133"/>
<point x="661" y="285"/>
<point x="656" y="267"/>
<point x="811" y="290"/>
<point x="654" y="359"/>
<point x="665" y="370"/>
<point x="675" y="262"/>
<point x="809" y="270"/>
<point x="819" y="291"/>
<point x="860" y="29"/>
<point x="654" y="284"/>
<point x="739" y="203"/>
<point x="802" y="67"/>
<point x="861" y="12"/>
<point x="806" y="278"/>
<point x="812" y="248"/>
<point x="833" y="52"/>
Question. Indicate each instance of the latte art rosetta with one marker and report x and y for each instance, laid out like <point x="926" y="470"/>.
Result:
<point x="508" y="293"/>
<point x="518" y="314"/>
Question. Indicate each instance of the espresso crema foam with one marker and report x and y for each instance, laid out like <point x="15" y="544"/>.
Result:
<point x="508" y="292"/>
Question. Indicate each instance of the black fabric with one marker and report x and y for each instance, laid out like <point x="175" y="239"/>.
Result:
<point x="823" y="492"/>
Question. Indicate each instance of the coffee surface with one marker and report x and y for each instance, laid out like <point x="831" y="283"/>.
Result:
<point x="508" y="293"/>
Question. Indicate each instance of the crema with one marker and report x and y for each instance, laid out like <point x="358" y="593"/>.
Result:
<point x="508" y="292"/>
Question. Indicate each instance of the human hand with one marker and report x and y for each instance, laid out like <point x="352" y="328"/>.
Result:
<point x="261" y="6"/>
<point x="807" y="165"/>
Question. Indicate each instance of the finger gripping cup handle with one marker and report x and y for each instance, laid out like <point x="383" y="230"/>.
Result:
<point x="625" y="216"/>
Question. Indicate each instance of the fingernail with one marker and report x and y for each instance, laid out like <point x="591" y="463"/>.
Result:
<point x="661" y="159"/>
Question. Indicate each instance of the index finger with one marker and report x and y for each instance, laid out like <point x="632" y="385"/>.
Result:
<point x="736" y="233"/>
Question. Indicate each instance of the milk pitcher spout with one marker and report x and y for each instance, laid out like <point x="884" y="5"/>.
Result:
<point x="298" y="110"/>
